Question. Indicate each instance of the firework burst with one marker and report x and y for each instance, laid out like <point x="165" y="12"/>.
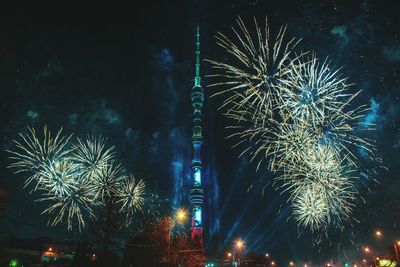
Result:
<point x="76" y="180"/>
<point x="316" y="96"/>
<point x="131" y="196"/>
<point x="321" y="188"/>
<point x="106" y="183"/>
<point x="92" y="156"/>
<point x="299" y="115"/>
<point x="261" y="64"/>
<point x="32" y="154"/>
<point x="72" y="206"/>
<point x="58" y="178"/>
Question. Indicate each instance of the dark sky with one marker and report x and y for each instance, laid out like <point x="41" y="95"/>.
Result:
<point x="125" y="72"/>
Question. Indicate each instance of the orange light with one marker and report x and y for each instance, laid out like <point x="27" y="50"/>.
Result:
<point x="50" y="249"/>
<point x="366" y="249"/>
<point x="291" y="263"/>
<point x="377" y="258"/>
<point x="229" y="254"/>
<point x="398" y="243"/>
<point x="272" y="263"/>
<point x="181" y="215"/>
<point x="378" y="233"/>
<point x="305" y="265"/>
<point x="239" y="244"/>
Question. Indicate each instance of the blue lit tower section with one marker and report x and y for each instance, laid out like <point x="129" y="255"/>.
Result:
<point x="197" y="192"/>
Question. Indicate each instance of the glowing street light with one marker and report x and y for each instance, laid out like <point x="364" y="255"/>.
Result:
<point x="272" y="263"/>
<point x="267" y="255"/>
<point x="229" y="254"/>
<point x="181" y="215"/>
<point x="239" y="244"/>
<point x="291" y="263"/>
<point x="368" y="250"/>
<point x="378" y="233"/>
<point x="396" y="244"/>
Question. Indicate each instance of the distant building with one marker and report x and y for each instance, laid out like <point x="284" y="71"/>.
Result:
<point x="34" y="252"/>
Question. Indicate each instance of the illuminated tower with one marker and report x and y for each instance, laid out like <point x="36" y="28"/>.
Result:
<point x="197" y="192"/>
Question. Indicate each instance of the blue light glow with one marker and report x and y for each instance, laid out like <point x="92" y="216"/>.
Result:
<point x="197" y="217"/>
<point x="197" y="177"/>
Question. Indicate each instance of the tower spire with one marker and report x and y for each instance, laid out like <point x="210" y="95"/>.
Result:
<point x="197" y="78"/>
<point x="196" y="192"/>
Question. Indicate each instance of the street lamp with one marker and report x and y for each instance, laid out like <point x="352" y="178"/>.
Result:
<point x="396" y="244"/>
<point x="272" y="263"/>
<point x="291" y="263"/>
<point x="368" y="250"/>
<point x="378" y="233"/>
<point x="181" y="215"/>
<point x="237" y="246"/>
<point x="267" y="255"/>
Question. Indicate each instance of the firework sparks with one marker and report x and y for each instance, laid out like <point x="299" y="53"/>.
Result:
<point x="106" y="183"/>
<point x="131" y="196"/>
<point x="58" y="178"/>
<point x="262" y="63"/>
<point x="32" y="154"/>
<point x="92" y="156"/>
<point x="321" y="187"/>
<point x="72" y="206"/>
<point x="298" y="115"/>
<point x="312" y="91"/>
<point x="75" y="178"/>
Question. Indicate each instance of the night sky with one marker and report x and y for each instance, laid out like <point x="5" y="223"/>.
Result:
<point x="125" y="72"/>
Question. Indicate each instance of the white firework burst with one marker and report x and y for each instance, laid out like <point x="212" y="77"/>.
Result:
<point x="92" y="156"/>
<point x="74" y="206"/>
<point x="310" y="208"/>
<point x="261" y="64"/>
<point x="312" y="91"/>
<point x="58" y="178"/>
<point x="34" y="152"/>
<point x="105" y="184"/>
<point x="323" y="181"/>
<point x="131" y="196"/>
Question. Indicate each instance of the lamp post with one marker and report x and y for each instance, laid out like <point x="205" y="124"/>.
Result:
<point x="238" y="245"/>
<point x="368" y="250"/>
<point x="397" y="243"/>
